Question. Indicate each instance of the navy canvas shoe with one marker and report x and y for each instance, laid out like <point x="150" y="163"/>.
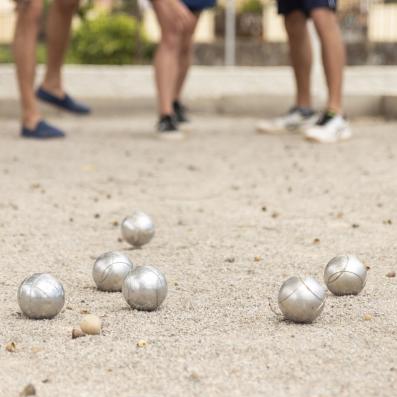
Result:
<point x="66" y="103"/>
<point x="42" y="130"/>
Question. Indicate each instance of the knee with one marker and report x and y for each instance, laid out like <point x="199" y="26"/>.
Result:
<point x="68" y="6"/>
<point x="171" y="41"/>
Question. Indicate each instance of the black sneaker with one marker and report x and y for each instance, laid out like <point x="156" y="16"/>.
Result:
<point x="167" y="128"/>
<point x="180" y="112"/>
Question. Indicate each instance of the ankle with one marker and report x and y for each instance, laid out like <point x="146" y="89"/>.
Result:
<point x="334" y="108"/>
<point x="53" y="87"/>
<point x="164" y="116"/>
<point x="31" y="120"/>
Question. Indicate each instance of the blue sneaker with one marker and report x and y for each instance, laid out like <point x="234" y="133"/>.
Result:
<point x="42" y="130"/>
<point x="65" y="103"/>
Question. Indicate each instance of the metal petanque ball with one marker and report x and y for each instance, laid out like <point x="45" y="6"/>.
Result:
<point x="41" y="296"/>
<point x="145" y="288"/>
<point x="110" y="270"/>
<point x="345" y="275"/>
<point x="137" y="229"/>
<point x="301" y="300"/>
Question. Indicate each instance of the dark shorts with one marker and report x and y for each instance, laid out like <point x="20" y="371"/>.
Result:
<point x="306" y="6"/>
<point x="199" y="5"/>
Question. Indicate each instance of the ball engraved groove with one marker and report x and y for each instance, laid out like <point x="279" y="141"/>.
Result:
<point x="301" y="300"/>
<point x="41" y="296"/>
<point x="345" y="275"/>
<point x="110" y="270"/>
<point x="145" y="288"/>
<point x="137" y="229"/>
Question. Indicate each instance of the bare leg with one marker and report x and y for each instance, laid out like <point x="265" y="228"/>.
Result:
<point x="25" y="42"/>
<point x="301" y="55"/>
<point x="333" y="54"/>
<point x="58" y="32"/>
<point x="166" y="60"/>
<point x="185" y="57"/>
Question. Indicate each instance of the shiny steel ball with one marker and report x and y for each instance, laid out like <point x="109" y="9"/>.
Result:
<point x="110" y="270"/>
<point x="301" y="300"/>
<point x="345" y="275"/>
<point x="137" y="229"/>
<point x="41" y="296"/>
<point x="145" y="288"/>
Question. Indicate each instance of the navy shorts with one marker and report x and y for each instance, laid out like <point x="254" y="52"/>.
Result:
<point x="306" y="6"/>
<point x="199" y="5"/>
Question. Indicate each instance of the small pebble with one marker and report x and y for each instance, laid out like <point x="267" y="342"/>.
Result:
<point x="367" y="317"/>
<point x="257" y="258"/>
<point x="141" y="343"/>
<point x="29" y="390"/>
<point x="391" y="274"/>
<point x="91" y="324"/>
<point x="11" y="347"/>
<point x="316" y="241"/>
<point x="194" y="376"/>
<point x="77" y="333"/>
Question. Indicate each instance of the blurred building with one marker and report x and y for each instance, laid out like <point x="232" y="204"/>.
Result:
<point x="7" y="21"/>
<point x="362" y="21"/>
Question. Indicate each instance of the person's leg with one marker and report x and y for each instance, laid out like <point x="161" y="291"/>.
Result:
<point x="333" y="54"/>
<point x="185" y="57"/>
<point x="300" y="54"/>
<point x="166" y="60"/>
<point x="58" y="32"/>
<point x="25" y="40"/>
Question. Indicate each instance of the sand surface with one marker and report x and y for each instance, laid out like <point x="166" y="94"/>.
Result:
<point x="219" y="199"/>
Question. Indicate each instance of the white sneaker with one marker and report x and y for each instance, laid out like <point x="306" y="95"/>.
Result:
<point x="330" y="128"/>
<point x="295" y="120"/>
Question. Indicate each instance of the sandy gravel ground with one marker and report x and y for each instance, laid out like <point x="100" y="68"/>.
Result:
<point x="219" y="200"/>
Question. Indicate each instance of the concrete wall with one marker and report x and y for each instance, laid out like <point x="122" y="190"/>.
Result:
<point x="382" y="24"/>
<point x="7" y="21"/>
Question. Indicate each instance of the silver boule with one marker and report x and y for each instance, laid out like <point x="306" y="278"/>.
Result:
<point x="137" y="229"/>
<point x="345" y="275"/>
<point x="41" y="296"/>
<point x="145" y="288"/>
<point x="301" y="300"/>
<point x="110" y="270"/>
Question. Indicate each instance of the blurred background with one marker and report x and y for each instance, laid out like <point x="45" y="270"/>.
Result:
<point x="241" y="32"/>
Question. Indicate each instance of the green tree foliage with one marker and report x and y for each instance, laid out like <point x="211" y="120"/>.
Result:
<point x="114" y="39"/>
<point x="252" y="7"/>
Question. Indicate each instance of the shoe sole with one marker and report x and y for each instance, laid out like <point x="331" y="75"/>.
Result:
<point x="318" y="140"/>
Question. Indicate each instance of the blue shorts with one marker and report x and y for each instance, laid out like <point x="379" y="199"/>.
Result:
<point x="199" y="5"/>
<point x="285" y="7"/>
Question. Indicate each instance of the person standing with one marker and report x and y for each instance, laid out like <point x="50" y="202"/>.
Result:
<point x="51" y="91"/>
<point x="330" y="126"/>
<point x="178" y="20"/>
